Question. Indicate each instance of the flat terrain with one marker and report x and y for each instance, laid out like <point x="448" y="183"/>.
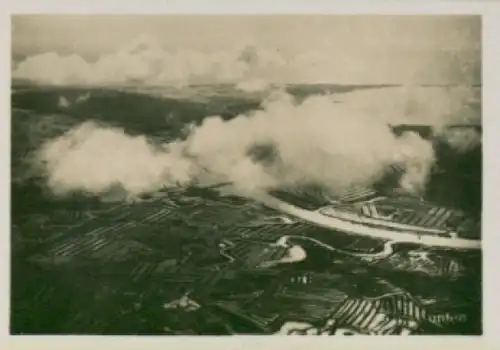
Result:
<point x="193" y="261"/>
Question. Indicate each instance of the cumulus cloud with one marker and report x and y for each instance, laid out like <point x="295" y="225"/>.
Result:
<point x="417" y="157"/>
<point x="437" y="107"/>
<point x="95" y="159"/>
<point x="145" y="61"/>
<point x="284" y="143"/>
<point x="314" y="142"/>
<point x="462" y="140"/>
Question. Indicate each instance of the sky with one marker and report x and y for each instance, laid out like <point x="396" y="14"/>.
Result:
<point x="359" y="49"/>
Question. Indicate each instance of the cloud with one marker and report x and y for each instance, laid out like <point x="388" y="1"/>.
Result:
<point x="462" y="140"/>
<point x="284" y="143"/>
<point x="95" y="159"/>
<point x="144" y="61"/>
<point x="413" y="104"/>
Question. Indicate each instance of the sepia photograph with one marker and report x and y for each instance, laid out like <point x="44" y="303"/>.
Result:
<point x="285" y="174"/>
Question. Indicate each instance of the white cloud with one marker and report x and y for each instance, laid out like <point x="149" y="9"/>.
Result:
<point x="145" y="61"/>
<point x="284" y="143"/>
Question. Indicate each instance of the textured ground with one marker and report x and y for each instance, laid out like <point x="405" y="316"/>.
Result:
<point x="193" y="262"/>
